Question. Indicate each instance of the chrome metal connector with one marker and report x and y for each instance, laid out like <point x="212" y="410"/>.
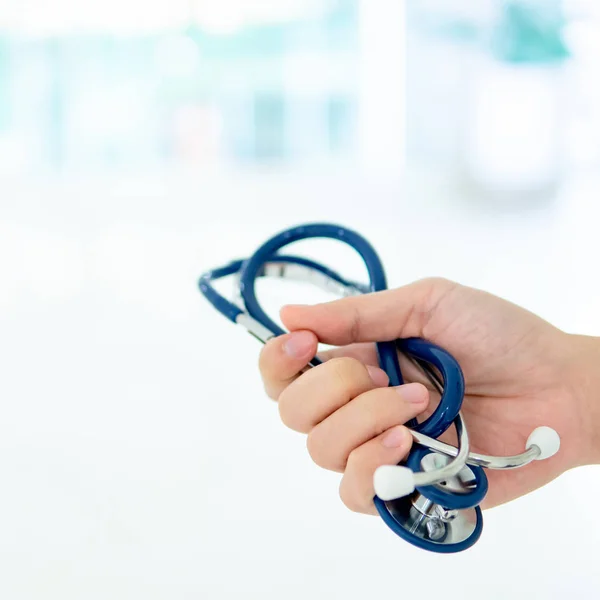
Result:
<point x="480" y="460"/>
<point x="254" y="328"/>
<point x="304" y="274"/>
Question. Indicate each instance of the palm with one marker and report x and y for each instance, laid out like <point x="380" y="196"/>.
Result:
<point x="510" y="359"/>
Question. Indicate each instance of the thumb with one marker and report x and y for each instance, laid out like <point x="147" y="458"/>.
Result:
<point x="375" y="317"/>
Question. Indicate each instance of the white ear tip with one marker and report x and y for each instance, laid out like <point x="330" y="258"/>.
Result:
<point x="393" y="481"/>
<point x="546" y="439"/>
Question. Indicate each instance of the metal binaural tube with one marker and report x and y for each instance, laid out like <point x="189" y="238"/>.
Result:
<point x="454" y="467"/>
<point x="480" y="460"/>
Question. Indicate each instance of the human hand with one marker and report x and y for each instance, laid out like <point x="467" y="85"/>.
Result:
<point x="520" y="373"/>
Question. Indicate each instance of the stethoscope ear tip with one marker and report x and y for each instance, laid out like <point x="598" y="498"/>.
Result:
<point x="546" y="439"/>
<point x="393" y="481"/>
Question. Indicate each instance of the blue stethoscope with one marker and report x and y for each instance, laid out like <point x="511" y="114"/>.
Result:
<point x="432" y="500"/>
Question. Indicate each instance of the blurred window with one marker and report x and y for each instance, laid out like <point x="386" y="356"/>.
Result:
<point x="136" y="84"/>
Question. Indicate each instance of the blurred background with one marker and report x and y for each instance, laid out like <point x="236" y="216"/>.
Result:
<point x="142" y="143"/>
<point x="130" y="87"/>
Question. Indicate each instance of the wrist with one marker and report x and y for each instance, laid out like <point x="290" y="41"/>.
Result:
<point x="584" y="382"/>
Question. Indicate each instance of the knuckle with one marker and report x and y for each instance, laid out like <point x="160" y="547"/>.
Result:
<point x="354" y="324"/>
<point x="270" y="391"/>
<point x="349" y="496"/>
<point x="435" y="281"/>
<point x="346" y="370"/>
<point x="320" y="451"/>
<point x="314" y="447"/>
<point x="288" y="411"/>
<point x="434" y="289"/>
<point x="265" y="357"/>
<point x="374" y="408"/>
<point x="354" y="459"/>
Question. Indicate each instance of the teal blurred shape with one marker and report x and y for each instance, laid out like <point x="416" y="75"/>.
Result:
<point x="530" y="32"/>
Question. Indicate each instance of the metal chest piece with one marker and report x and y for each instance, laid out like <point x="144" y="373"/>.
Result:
<point x="421" y="520"/>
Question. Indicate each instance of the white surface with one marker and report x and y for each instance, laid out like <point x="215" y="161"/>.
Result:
<point x="133" y="415"/>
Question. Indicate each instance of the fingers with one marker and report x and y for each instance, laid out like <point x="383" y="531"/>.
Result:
<point x="380" y="316"/>
<point x="352" y="418"/>
<point x="332" y="440"/>
<point x="283" y="358"/>
<point x="356" y="486"/>
<point x="325" y="389"/>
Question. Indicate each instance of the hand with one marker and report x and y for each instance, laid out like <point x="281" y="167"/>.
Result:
<point x="520" y="373"/>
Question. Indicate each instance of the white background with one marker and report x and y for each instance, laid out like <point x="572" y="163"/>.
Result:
<point x="139" y="457"/>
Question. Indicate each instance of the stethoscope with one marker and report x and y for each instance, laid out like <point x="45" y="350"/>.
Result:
<point x="432" y="500"/>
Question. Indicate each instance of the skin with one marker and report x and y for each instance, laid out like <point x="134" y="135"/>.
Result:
<point x="520" y="372"/>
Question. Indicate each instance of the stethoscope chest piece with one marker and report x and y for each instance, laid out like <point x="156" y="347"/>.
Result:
<point x="444" y="517"/>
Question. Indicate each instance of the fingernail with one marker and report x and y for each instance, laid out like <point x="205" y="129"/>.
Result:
<point x="395" y="437"/>
<point x="414" y="393"/>
<point x="379" y="376"/>
<point x="298" y="344"/>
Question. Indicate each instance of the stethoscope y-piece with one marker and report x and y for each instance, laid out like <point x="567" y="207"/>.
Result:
<point x="432" y="499"/>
